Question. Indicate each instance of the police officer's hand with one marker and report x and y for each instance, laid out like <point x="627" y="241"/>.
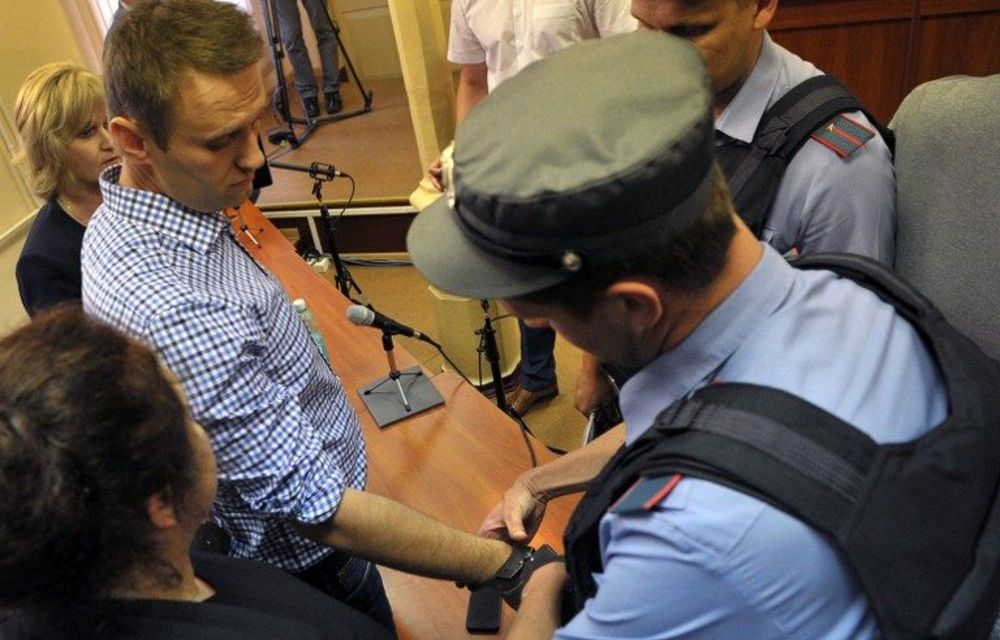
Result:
<point x="594" y="389"/>
<point x="516" y="517"/>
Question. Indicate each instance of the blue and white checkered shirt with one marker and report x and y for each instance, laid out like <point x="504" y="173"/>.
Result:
<point x="286" y="440"/>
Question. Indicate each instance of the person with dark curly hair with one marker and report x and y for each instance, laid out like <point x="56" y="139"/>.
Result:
<point x="104" y="479"/>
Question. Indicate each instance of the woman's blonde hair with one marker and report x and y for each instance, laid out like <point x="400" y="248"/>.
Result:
<point x="53" y="105"/>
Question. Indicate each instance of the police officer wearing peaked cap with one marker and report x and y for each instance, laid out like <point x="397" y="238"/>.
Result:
<point x="597" y="208"/>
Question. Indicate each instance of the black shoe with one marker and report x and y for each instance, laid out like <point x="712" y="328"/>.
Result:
<point x="311" y="105"/>
<point x="334" y="103"/>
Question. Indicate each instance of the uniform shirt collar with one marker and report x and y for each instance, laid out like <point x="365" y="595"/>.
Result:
<point x="697" y="360"/>
<point x="195" y="229"/>
<point x="740" y="117"/>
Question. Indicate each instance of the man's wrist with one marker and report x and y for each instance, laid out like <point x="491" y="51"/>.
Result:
<point x="535" y="484"/>
<point x="512" y="576"/>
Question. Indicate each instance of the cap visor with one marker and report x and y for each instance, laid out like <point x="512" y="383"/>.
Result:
<point x="450" y="261"/>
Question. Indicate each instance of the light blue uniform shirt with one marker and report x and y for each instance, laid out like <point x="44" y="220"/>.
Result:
<point x="286" y="440"/>
<point x="824" y="203"/>
<point x="710" y="562"/>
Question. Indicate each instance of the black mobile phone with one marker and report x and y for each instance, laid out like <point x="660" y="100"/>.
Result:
<point x="483" y="615"/>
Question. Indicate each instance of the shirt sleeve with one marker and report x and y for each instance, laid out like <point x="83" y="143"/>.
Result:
<point x="265" y="446"/>
<point x="614" y="16"/>
<point x="837" y="205"/>
<point x="463" y="45"/>
<point x="712" y="563"/>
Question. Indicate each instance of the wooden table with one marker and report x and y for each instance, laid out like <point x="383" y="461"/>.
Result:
<point x="452" y="462"/>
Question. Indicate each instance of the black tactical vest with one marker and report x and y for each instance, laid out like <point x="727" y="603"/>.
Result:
<point x="919" y="522"/>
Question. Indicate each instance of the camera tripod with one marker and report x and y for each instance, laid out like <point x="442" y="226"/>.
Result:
<point x="280" y="100"/>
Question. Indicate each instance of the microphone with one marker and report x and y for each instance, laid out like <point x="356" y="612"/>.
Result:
<point x="365" y="317"/>
<point x="315" y="170"/>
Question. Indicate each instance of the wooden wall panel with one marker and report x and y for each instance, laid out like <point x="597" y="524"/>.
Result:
<point x="869" y="58"/>
<point x="797" y="14"/>
<point x="882" y="49"/>
<point x="951" y="44"/>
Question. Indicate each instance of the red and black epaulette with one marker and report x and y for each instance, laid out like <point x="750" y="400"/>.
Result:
<point x="843" y="135"/>
<point x="645" y="494"/>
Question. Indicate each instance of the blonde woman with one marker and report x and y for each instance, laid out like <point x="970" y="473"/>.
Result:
<point x="64" y="145"/>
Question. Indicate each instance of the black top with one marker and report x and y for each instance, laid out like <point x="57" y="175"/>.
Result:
<point x="253" y="601"/>
<point x="48" y="271"/>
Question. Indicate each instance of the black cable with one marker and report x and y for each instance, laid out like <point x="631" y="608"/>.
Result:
<point x="524" y="434"/>
<point x="453" y="365"/>
<point x="350" y="198"/>
<point x="522" y="426"/>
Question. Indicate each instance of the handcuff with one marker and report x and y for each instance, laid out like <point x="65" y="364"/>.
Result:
<point x="515" y="572"/>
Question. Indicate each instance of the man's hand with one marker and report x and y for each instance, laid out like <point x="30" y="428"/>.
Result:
<point x="594" y="389"/>
<point x="516" y="517"/>
<point x="434" y="174"/>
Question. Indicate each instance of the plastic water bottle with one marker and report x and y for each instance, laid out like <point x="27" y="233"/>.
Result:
<point x="310" y="321"/>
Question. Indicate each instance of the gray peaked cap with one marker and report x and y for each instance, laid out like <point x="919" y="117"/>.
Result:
<point x="590" y="155"/>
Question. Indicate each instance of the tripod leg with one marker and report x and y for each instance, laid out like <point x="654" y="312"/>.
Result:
<point x="380" y="383"/>
<point x="402" y="394"/>
<point x="366" y="94"/>
<point x="279" y="100"/>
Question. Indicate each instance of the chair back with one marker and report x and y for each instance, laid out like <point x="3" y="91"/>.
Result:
<point x="948" y="200"/>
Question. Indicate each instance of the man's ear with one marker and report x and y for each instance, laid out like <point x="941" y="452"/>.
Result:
<point x="161" y="509"/>
<point x="765" y="13"/>
<point x="639" y="300"/>
<point x="130" y="139"/>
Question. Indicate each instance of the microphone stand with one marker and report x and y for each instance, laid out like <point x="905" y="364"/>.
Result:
<point x="394" y="373"/>
<point x="321" y="172"/>
<point x="492" y="353"/>
<point x="489" y="348"/>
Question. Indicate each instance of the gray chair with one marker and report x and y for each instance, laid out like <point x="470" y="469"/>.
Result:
<point x="948" y="200"/>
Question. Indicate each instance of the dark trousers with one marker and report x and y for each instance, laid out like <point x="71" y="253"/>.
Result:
<point x="355" y="582"/>
<point x="538" y="361"/>
<point x="290" y="27"/>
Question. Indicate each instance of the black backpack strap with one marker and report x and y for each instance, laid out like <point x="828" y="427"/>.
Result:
<point x="733" y="434"/>
<point x="769" y="444"/>
<point x="886" y="284"/>
<point x="754" y="174"/>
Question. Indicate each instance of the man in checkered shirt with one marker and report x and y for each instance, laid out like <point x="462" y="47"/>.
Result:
<point x="159" y="261"/>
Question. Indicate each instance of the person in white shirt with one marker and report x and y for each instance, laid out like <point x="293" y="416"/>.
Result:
<point x="493" y="40"/>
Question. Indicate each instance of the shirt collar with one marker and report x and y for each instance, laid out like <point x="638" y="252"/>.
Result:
<point x="195" y="229"/>
<point x="697" y="360"/>
<point x="740" y="117"/>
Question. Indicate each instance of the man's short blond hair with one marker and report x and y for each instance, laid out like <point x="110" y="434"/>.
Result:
<point x="156" y="42"/>
<point x="53" y="105"/>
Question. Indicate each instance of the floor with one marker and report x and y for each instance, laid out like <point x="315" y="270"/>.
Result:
<point x="377" y="148"/>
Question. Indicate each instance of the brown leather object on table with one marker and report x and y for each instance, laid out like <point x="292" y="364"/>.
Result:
<point x="452" y="462"/>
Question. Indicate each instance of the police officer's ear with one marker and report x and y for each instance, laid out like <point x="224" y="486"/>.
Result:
<point x="765" y="13"/>
<point x="639" y="300"/>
